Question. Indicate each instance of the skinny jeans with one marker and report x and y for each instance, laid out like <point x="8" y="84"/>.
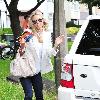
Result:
<point x="32" y="82"/>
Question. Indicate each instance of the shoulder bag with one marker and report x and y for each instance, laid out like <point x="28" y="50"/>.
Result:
<point x="23" y="66"/>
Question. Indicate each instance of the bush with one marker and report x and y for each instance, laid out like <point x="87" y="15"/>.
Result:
<point x="5" y="31"/>
<point x="71" y="24"/>
<point x="72" y="30"/>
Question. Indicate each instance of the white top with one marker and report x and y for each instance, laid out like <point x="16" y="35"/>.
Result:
<point x="41" y="53"/>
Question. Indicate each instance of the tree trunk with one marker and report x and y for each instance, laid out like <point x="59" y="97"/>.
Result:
<point x="59" y="28"/>
<point x="15" y="26"/>
<point x="14" y="19"/>
<point x="90" y="8"/>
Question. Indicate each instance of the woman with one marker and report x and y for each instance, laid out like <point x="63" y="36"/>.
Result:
<point x="40" y="42"/>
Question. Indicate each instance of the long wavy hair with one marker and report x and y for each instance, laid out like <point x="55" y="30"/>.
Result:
<point x="37" y="12"/>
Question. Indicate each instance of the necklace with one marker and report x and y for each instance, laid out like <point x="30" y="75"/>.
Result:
<point x="40" y="37"/>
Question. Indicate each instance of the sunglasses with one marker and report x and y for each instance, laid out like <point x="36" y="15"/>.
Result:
<point x="39" y="20"/>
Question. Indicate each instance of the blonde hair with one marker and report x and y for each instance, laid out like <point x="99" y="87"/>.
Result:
<point x="37" y="12"/>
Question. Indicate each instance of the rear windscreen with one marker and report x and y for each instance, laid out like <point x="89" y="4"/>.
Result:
<point x="90" y="42"/>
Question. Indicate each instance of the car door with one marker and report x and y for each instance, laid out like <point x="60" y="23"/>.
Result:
<point x="86" y="72"/>
<point x="86" y="61"/>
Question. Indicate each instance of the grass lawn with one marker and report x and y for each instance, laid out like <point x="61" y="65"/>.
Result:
<point x="11" y="91"/>
<point x="8" y="90"/>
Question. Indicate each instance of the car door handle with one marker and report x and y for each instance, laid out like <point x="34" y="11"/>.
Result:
<point x="83" y="75"/>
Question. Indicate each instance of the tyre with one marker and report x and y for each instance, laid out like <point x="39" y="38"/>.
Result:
<point x="7" y="52"/>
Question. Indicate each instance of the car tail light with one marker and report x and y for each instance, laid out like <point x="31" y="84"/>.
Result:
<point x="67" y="79"/>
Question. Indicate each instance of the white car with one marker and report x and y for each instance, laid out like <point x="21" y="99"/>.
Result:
<point x="80" y="77"/>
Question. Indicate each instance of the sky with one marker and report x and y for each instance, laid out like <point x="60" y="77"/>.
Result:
<point x="26" y="4"/>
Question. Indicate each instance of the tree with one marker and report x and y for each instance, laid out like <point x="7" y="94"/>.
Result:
<point x="59" y="28"/>
<point x="90" y="4"/>
<point x="14" y="14"/>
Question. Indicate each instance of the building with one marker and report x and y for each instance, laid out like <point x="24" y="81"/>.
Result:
<point x="4" y="18"/>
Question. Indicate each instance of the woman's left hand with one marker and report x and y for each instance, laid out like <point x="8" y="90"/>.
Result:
<point x="59" y="40"/>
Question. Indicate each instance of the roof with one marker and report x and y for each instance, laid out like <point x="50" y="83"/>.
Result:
<point x="90" y="17"/>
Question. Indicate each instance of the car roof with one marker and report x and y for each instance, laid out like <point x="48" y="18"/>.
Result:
<point x="90" y="17"/>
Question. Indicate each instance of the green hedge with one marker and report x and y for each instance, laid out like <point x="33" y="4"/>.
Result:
<point x="71" y="24"/>
<point x="5" y="31"/>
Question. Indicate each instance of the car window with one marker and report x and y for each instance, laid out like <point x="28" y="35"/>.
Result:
<point x="90" y="42"/>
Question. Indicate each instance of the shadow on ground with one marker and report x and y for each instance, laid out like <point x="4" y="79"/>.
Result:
<point x="47" y="84"/>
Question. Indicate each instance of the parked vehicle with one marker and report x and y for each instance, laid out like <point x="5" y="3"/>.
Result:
<point x="8" y="51"/>
<point x="2" y="46"/>
<point x="80" y="77"/>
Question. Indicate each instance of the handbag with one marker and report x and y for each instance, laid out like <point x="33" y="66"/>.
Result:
<point x="23" y="66"/>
